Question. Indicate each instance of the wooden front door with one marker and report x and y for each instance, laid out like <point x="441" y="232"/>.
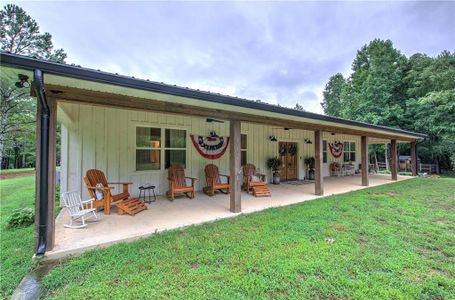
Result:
<point x="288" y="153"/>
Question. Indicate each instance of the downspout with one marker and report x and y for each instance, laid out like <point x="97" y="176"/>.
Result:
<point x="43" y="160"/>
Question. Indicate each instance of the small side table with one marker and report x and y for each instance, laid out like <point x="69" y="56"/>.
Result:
<point x="143" y="190"/>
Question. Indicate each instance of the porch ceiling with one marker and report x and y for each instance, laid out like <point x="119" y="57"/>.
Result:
<point x="161" y="103"/>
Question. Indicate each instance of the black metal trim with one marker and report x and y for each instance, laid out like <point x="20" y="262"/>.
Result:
<point x="43" y="161"/>
<point x="28" y="63"/>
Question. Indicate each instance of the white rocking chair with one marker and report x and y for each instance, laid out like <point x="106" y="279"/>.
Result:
<point x="77" y="208"/>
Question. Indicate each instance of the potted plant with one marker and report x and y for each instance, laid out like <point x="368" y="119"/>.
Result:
<point x="275" y="164"/>
<point x="309" y="163"/>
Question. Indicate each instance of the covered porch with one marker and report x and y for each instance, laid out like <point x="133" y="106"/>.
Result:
<point x="165" y="215"/>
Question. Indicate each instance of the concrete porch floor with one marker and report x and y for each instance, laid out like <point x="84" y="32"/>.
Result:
<point x="165" y="215"/>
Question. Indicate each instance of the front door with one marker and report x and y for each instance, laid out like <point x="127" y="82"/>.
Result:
<point x="288" y="153"/>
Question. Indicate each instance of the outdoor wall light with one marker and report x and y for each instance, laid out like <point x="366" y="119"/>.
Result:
<point x="273" y="138"/>
<point x="23" y="81"/>
<point x="308" y="141"/>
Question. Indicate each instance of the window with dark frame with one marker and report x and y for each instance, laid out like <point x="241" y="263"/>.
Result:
<point x="150" y="150"/>
<point x="324" y="151"/>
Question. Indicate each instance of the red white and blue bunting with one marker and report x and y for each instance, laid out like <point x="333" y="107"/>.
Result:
<point x="336" y="149"/>
<point x="210" y="147"/>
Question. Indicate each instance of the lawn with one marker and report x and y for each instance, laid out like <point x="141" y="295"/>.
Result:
<point x="393" y="241"/>
<point x="16" y="247"/>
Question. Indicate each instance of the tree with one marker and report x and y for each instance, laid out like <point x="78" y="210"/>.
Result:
<point x="298" y="107"/>
<point x="389" y="89"/>
<point x="333" y="90"/>
<point x="19" y="34"/>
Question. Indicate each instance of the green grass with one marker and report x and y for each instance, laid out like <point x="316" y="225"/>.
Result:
<point x="16" y="247"/>
<point x="394" y="241"/>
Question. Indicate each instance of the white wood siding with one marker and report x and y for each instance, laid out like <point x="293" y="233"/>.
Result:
<point x="104" y="138"/>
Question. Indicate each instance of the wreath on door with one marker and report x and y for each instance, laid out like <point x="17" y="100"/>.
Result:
<point x="292" y="149"/>
<point x="336" y="149"/>
<point x="283" y="150"/>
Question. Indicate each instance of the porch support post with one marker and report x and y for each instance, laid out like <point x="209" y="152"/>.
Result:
<point x="319" y="181"/>
<point x="414" y="158"/>
<point x="234" y="163"/>
<point x="50" y="217"/>
<point x="364" y="156"/>
<point x="394" y="161"/>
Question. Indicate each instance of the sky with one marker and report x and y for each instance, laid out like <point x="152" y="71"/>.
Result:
<point x="278" y="52"/>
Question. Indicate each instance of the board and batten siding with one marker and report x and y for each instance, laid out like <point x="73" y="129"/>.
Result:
<point x="105" y="138"/>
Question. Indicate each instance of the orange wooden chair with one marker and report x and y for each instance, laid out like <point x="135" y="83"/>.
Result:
<point x="251" y="178"/>
<point x="213" y="179"/>
<point x="96" y="182"/>
<point x="178" y="184"/>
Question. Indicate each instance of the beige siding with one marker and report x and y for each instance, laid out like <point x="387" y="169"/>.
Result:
<point x="104" y="138"/>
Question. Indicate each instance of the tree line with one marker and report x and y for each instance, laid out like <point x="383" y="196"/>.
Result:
<point x="415" y="93"/>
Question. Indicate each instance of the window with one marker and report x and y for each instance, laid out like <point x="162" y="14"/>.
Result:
<point x="175" y="147"/>
<point x="349" y="151"/>
<point x="243" y="148"/>
<point x="324" y="151"/>
<point x="150" y="150"/>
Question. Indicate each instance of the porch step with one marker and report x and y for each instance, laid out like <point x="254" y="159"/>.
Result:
<point x="130" y="206"/>
<point x="261" y="191"/>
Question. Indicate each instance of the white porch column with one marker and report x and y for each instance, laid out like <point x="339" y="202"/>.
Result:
<point x="364" y="157"/>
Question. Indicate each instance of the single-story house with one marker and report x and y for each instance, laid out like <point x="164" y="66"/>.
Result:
<point x="134" y="129"/>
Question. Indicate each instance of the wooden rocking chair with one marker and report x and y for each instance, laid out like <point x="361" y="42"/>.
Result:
<point x="178" y="184"/>
<point x="254" y="181"/>
<point x="213" y="178"/>
<point x="99" y="189"/>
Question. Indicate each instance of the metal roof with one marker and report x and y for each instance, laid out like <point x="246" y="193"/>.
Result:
<point x="72" y="71"/>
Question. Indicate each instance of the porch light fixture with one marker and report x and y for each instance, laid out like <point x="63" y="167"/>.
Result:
<point x="210" y="120"/>
<point x="308" y="141"/>
<point x="23" y="81"/>
<point x="273" y="138"/>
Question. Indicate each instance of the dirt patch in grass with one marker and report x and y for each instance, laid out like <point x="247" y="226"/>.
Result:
<point x="437" y="272"/>
<point x="18" y="174"/>
<point x="194" y="265"/>
<point x="338" y="226"/>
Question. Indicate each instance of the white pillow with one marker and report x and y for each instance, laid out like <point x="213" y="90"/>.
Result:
<point x="255" y="178"/>
<point x="99" y="193"/>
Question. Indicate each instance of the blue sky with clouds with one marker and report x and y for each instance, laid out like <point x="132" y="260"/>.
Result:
<point x="279" y="52"/>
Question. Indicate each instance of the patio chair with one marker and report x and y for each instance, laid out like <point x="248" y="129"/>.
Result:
<point x="77" y="209"/>
<point x="99" y="189"/>
<point x="178" y="182"/>
<point x="214" y="182"/>
<point x="251" y="178"/>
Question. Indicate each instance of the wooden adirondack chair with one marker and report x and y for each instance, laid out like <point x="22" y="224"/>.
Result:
<point x="251" y="178"/>
<point x="96" y="177"/>
<point x="178" y="184"/>
<point x="213" y="178"/>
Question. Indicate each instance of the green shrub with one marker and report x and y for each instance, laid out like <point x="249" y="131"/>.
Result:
<point x="21" y="217"/>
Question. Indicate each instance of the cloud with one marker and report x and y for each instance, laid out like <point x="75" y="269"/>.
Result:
<point x="279" y="52"/>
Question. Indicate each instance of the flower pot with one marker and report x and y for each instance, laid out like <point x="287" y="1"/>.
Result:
<point x="276" y="178"/>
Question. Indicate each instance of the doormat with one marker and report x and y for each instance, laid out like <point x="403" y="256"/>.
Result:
<point x="298" y="182"/>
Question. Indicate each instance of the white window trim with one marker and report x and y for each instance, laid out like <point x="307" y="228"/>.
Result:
<point x="162" y="149"/>
<point x="350" y="151"/>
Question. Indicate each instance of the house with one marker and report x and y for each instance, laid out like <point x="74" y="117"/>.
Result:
<point x="104" y="117"/>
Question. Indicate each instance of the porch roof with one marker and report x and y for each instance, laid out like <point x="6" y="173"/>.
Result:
<point x="85" y="79"/>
